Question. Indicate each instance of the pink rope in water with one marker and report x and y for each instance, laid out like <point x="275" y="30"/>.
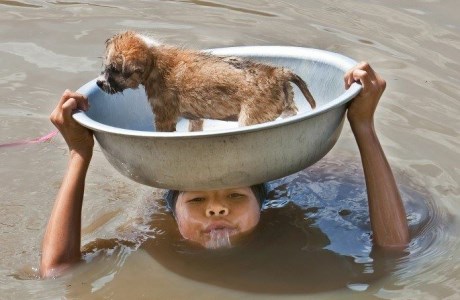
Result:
<point x="44" y="138"/>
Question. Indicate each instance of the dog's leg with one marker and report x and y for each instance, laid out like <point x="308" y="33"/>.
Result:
<point x="195" y="125"/>
<point x="165" y="122"/>
<point x="251" y="115"/>
<point x="243" y="118"/>
<point x="290" y="109"/>
<point x="166" y="113"/>
<point x="165" y="126"/>
<point x="289" y="113"/>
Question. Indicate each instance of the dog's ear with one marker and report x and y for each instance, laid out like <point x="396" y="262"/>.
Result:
<point x="125" y="69"/>
<point x="112" y="38"/>
<point x="108" y="41"/>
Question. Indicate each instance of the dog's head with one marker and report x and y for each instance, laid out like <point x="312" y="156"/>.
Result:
<point x="127" y="62"/>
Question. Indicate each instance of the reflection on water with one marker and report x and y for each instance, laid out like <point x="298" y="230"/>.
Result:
<point x="47" y="46"/>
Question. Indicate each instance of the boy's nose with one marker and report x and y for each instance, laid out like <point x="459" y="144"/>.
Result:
<point x="216" y="211"/>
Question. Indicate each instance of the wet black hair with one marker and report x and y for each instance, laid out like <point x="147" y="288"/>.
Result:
<point x="260" y="191"/>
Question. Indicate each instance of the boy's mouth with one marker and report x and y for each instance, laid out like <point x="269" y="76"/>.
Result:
<point x="219" y="238"/>
<point x="218" y="235"/>
<point x="219" y="226"/>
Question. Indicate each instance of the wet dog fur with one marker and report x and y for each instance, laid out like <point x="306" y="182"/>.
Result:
<point x="197" y="85"/>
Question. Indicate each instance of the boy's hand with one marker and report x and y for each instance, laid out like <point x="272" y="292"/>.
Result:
<point x="362" y="108"/>
<point x="78" y="138"/>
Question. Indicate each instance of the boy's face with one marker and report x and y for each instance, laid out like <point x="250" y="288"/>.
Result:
<point x="204" y="215"/>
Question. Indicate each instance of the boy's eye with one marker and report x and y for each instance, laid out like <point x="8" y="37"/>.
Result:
<point x="196" y="199"/>
<point x="235" y="196"/>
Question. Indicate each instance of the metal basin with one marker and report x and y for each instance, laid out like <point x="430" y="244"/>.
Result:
<point x="224" y="155"/>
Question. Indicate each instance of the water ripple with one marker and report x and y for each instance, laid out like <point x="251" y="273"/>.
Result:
<point x="18" y="3"/>
<point x="44" y="58"/>
<point x="229" y="7"/>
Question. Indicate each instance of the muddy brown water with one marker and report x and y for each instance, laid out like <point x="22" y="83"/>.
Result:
<point x="47" y="46"/>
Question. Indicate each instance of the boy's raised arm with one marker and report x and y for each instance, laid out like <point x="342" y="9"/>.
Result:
<point x="386" y="210"/>
<point x="61" y="243"/>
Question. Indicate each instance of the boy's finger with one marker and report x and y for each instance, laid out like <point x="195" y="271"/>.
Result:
<point x="68" y="107"/>
<point x="81" y="99"/>
<point x="366" y="67"/>
<point x="65" y="96"/>
<point x="348" y="78"/>
<point x="362" y="76"/>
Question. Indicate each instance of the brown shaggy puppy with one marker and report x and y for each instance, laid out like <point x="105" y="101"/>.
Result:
<point x="198" y="85"/>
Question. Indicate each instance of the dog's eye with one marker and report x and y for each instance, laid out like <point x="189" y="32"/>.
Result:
<point x="113" y="70"/>
<point x="126" y="74"/>
<point x="138" y="70"/>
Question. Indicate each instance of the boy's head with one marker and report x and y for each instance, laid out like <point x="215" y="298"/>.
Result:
<point x="203" y="216"/>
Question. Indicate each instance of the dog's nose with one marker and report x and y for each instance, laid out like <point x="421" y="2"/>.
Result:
<point x="100" y="83"/>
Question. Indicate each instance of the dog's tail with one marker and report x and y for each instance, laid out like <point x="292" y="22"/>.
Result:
<point x="294" y="78"/>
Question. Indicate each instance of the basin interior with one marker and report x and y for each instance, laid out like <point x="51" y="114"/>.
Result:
<point x="131" y="110"/>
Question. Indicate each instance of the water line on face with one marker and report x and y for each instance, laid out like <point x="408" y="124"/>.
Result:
<point x="219" y="238"/>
